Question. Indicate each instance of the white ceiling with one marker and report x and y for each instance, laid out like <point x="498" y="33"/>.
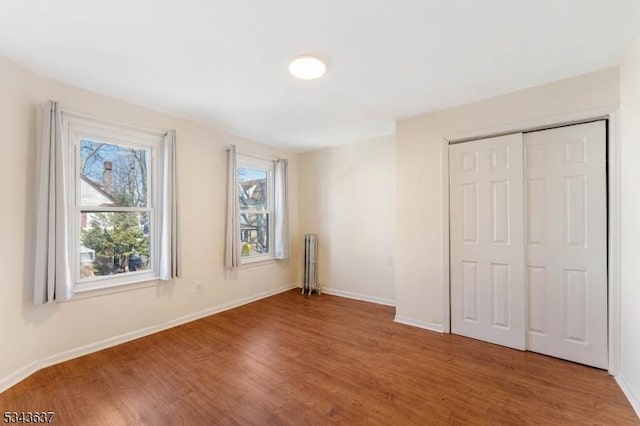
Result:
<point x="224" y="62"/>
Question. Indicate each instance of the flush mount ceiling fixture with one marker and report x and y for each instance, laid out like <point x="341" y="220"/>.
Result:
<point x="307" y="67"/>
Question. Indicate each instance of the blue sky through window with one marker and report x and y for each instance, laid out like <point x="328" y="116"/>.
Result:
<point x="128" y="171"/>
<point x="246" y="174"/>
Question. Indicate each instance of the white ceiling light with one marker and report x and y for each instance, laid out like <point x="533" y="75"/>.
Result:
<point x="307" y="67"/>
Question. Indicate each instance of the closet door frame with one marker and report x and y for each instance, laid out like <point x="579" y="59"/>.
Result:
<point x="611" y="114"/>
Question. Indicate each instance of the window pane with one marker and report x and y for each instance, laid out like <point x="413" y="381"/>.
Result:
<point x="252" y="188"/>
<point x="112" y="175"/>
<point x="113" y="243"/>
<point x="254" y="233"/>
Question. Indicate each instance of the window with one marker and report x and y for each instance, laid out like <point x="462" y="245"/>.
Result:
<point x="114" y="188"/>
<point x="255" y="193"/>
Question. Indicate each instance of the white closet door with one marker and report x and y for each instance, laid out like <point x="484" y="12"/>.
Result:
<point x="566" y="237"/>
<point x="487" y="248"/>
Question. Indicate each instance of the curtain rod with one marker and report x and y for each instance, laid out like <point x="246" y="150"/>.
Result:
<point x="149" y="130"/>
<point x="256" y="156"/>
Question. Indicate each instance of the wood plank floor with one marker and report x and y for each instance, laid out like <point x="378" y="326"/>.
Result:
<point x="301" y="360"/>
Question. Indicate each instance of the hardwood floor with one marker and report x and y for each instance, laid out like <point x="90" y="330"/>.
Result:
<point x="302" y="360"/>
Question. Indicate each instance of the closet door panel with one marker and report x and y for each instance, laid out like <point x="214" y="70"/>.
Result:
<point x="487" y="228"/>
<point x="566" y="242"/>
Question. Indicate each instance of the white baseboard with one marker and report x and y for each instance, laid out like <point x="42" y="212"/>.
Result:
<point x="438" y="328"/>
<point x="19" y="375"/>
<point x="358" y="296"/>
<point x="26" y="371"/>
<point x="627" y="389"/>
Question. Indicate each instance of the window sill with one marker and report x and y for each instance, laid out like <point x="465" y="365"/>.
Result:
<point x="111" y="288"/>
<point x="256" y="261"/>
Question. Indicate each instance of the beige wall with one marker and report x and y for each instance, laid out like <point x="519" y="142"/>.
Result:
<point x="419" y="248"/>
<point x="29" y="334"/>
<point x="629" y="375"/>
<point x="347" y="197"/>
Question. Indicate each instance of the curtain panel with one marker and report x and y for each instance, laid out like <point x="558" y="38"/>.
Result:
<point x="232" y="240"/>
<point x="52" y="276"/>
<point x="281" y="210"/>
<point x="170" y="248"/>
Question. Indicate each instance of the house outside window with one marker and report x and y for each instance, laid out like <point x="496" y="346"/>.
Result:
<point x="255" y="197"/>
<point x="114" y="238"/>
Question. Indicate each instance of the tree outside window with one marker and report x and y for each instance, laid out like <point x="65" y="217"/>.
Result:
<point x="115" y="215"/>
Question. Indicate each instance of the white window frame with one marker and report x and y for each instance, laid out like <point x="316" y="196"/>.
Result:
<point x="78" y="128"/>
<point x="249" y="162"/>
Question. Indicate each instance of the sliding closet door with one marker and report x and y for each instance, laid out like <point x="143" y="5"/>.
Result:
<point x="486" y="240"/>
<point x="566" y="232"/>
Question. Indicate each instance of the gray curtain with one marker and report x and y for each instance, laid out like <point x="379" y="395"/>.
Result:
<point x="52" y="278"/>
<point x="170" y="253"/>
<point x="281" y="210"/>
<point x="232" y="241"/>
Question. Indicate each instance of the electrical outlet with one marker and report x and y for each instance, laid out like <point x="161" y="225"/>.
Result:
<point x="198" y="288"/>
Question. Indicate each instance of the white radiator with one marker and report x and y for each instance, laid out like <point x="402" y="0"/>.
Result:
<point x="310" y="266"/>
